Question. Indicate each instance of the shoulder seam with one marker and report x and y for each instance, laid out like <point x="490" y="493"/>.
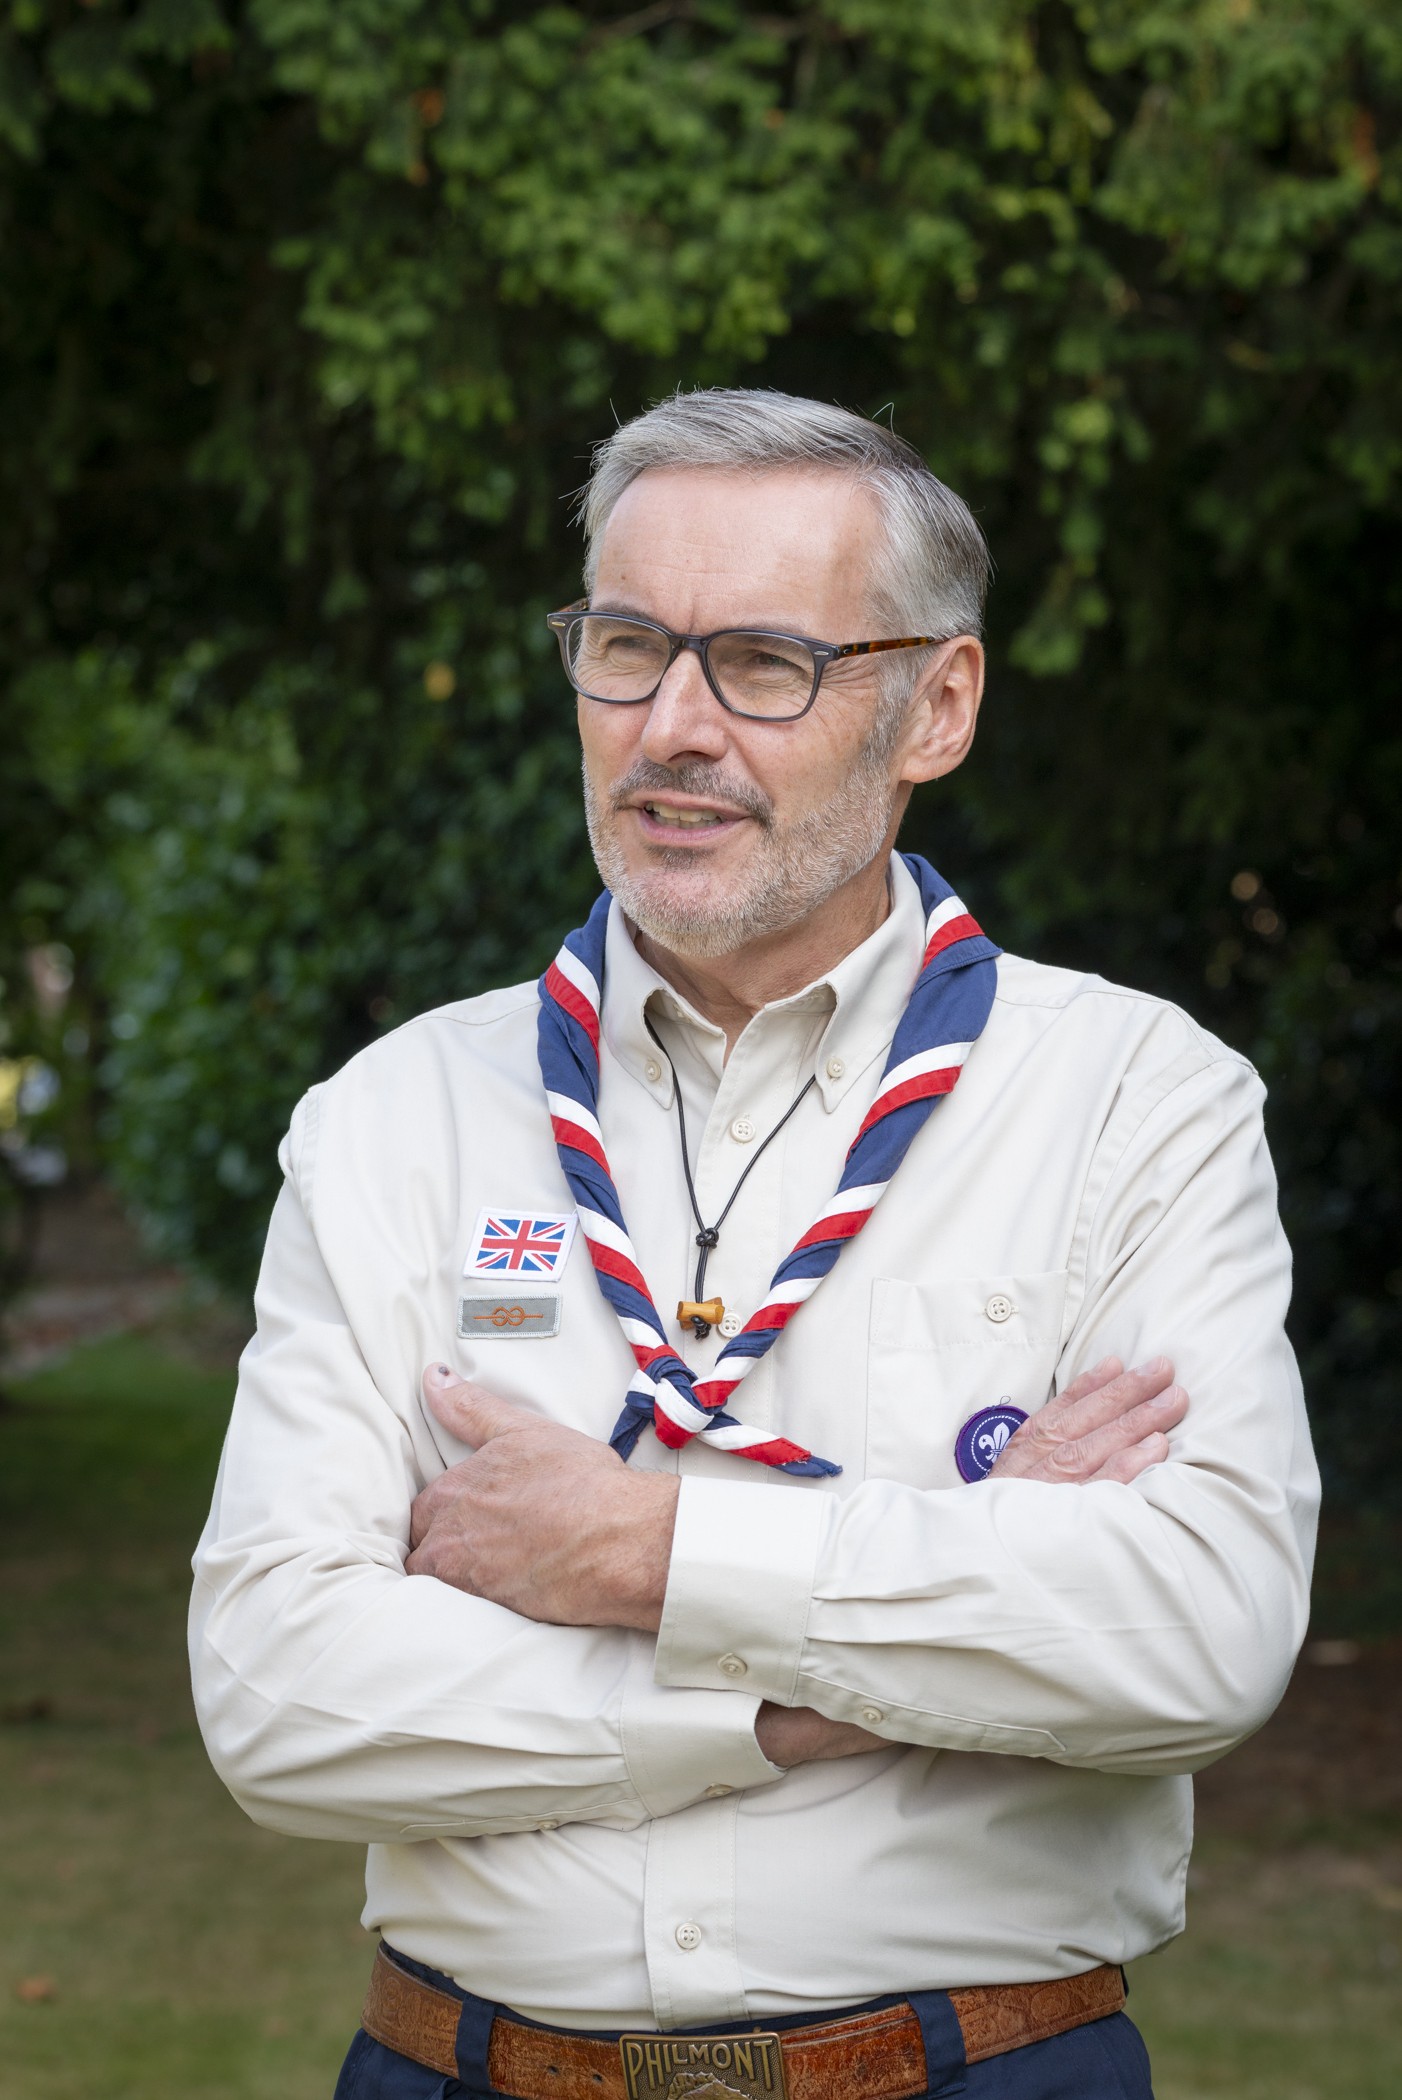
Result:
<point x="1213" y="1049"/>
<point x="527" y="996"/>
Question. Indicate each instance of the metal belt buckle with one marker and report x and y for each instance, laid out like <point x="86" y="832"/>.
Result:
<point x="702" y="2066"/>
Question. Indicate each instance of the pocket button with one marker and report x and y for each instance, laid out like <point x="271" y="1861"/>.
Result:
<point x="999" y="1308"/>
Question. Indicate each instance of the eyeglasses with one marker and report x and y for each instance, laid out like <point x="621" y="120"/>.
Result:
<point x="764" y="676"/>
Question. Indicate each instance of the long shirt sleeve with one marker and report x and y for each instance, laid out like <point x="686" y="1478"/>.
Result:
<point x="1141" y="1629"/>
<point x="579" y="1824"/>
<point x="341" y="1698"/>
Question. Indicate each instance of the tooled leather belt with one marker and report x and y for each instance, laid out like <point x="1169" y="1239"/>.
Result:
<point x="877" y="2055"/>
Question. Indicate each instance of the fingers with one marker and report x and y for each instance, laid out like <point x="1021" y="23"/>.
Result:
<point x="1125" y="1466"/>
<point x="1039" y="1436"/>
<point x="424" y="1509"/>
<point x="1081" y="1414"/>
<point x="1091" y="1381"/>
<point x="1082" y="1458"/>
<point x="1096" y="1401"/>
<point x="473" y="1414"/>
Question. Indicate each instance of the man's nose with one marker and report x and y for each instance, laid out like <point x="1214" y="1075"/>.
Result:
<point x="685" y="719"/>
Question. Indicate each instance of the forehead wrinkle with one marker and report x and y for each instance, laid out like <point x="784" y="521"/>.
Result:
<point x="694" y="572"/>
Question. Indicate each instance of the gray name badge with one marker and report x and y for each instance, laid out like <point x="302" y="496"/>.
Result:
<point x="506" y="1316"/>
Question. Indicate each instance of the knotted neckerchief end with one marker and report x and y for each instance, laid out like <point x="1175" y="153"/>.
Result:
<point x="635" y="1418"/>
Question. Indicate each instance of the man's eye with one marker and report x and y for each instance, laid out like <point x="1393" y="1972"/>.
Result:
<point x="764" y="661"/>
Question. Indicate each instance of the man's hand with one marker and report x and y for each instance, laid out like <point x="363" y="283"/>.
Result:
<point x="800" y="1735"/>
<point x="542" y="1519"/>
<point x="552" y="1524"/>
<point x="1109" y="1424"/>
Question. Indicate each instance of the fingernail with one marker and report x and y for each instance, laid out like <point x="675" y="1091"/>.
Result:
<point x="439" y="1374"/>
<point x="1168" y="1400"/>
<point x="1104" y="1365"/>
<point x="1155" y="1368"/>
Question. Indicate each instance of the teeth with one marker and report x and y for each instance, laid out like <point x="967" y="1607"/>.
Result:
<point x="688" y="819"/>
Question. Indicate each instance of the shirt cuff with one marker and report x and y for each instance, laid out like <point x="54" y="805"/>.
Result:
<point x="744" y="1561"/>
<point x="686" y="1746"/>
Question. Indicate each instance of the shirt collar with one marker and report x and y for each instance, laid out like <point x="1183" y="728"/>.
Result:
<point x="868" y="991"/>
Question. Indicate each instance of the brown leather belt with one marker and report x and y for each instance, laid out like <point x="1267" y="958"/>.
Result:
<point x="878" y="2055"/>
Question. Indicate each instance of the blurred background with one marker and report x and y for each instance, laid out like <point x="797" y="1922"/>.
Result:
<point x="310" y="311"/>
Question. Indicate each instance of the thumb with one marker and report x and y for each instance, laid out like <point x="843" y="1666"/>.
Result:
<point x="471" y="1412"/>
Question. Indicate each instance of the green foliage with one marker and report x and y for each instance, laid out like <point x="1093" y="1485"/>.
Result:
<point x="309" y="312"/>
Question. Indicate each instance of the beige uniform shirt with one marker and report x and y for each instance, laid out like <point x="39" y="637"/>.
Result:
<point x="579" y="1823"/>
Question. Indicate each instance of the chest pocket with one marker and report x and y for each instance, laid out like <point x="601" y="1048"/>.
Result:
<point x="940" y="1352"/>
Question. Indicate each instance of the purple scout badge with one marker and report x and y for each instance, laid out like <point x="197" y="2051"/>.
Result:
<point x="983" y="1437"/>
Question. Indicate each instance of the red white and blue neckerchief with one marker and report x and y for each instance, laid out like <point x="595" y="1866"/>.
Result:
<point x="942" y="1021"/>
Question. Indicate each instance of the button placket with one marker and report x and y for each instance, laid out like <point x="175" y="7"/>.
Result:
<point x="740" y="1115"/>
<point x="689" y="1924"/>
<point x="763" y="1074"/>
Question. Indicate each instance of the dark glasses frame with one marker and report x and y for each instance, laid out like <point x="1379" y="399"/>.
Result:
<point x="824" y="655"/>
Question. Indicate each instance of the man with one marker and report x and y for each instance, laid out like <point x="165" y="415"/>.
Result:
<point x="695" y="1765"/>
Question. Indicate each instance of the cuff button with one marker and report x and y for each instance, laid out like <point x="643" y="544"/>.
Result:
<point x="732" y="1666"/>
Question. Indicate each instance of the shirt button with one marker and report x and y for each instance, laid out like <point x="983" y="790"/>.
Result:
<point x="732" y="1666"/>
<point x="731" y="1325"/>
<point x="873" y="1714"/>
<point x="688" y="1937"/>
<point x="742" y="1129"/>
<point x="835" y="1068"/>
<point x="653" y="1070"/>
<point x="999" y="1308"/>
<point x="713" y="1793"/>
<point x="550" y="1823"/>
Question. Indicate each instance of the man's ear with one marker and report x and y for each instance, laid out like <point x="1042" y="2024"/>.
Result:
<point x="944" y="711"/>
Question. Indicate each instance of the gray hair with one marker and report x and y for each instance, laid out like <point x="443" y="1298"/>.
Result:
<point x="932" y="574"/>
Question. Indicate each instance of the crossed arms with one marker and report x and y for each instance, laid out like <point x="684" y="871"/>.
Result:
<point x="551" y="1641"/>
<point x="553" y="1525"/>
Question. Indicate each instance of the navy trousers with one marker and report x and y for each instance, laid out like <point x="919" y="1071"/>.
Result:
<point x="1103" y="2061"/>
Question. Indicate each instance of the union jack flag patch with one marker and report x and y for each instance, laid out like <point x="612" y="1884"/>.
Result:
<point x="520" y="1243"/>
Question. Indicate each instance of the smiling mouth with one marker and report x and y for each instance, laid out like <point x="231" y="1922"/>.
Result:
<point x="688" y="819"/>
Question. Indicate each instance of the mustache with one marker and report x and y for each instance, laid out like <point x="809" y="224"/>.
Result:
<point x="698" y="779"/>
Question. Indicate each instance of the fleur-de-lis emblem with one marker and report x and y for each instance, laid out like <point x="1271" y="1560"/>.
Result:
<point x="989" y="1442"/>
<point x="984" y="1436"/>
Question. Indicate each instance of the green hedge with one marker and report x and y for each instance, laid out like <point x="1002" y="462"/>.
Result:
<point x="309" y="313"/>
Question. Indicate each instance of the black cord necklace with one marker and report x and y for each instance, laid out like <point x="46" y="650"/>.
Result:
<point x="708" y="1236"/>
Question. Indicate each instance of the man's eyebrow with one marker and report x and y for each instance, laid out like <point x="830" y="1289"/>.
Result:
<point x="623" y="611"/>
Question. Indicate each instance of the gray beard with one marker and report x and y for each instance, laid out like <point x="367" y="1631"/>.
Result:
<point x="799" y="865"/>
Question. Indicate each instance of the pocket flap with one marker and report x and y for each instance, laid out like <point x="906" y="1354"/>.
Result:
<point x="1011" y="1312"/>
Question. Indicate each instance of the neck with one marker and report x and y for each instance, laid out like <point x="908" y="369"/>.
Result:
<point x="731" y="989"/>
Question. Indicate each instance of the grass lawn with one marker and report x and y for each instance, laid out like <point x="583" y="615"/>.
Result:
<point x="157" y="1945"/>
